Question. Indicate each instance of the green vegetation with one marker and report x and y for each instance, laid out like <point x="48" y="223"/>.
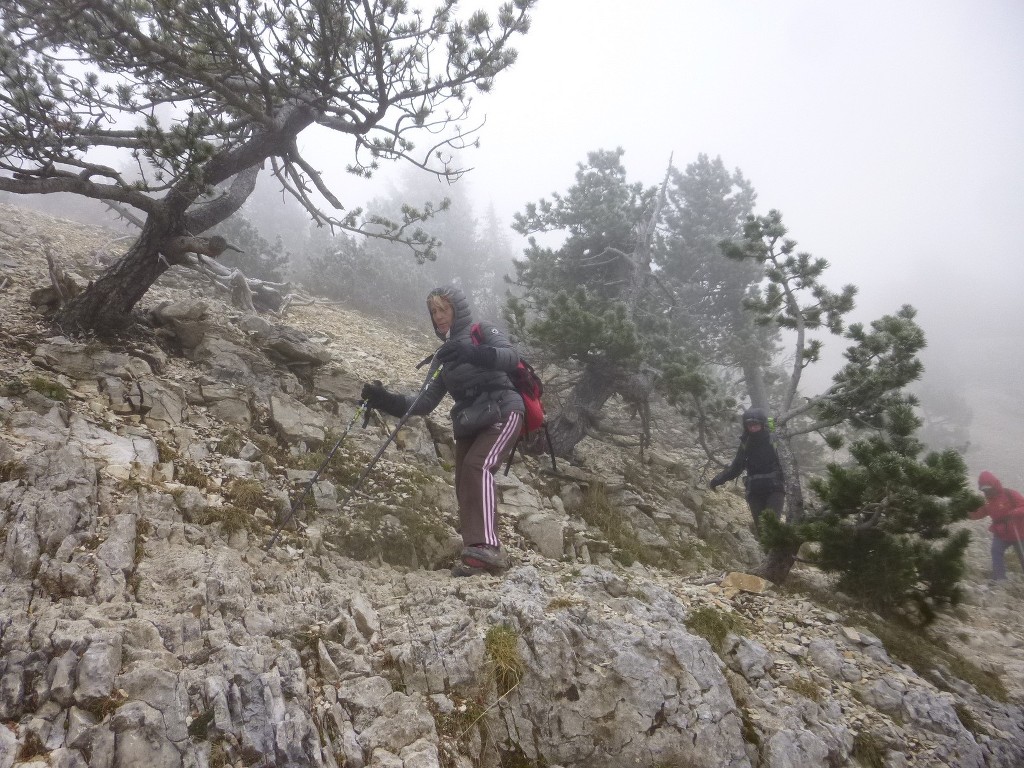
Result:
<point x="455" y="728"/>
<point x="11" y="470"/>
<point x="48" y="388"/>
<point x="444" y="58"/>
<point x="713" y="625"/>
<point x="904" y="640"/>
<point x="561" y="603"/>
<point x="970" y="722"/>
<point x="200" y="726"/>
<point x="806" y="688"/>
<point x="394" y="534"/>
<point x="501" y="644"/>
<point x="13" y="387"/>
<point x="248" y="495"/>
<point x="165" y="451"/>
<point x="230" y="518"/>
<point x="597" y="510"/>
<point x="102" y="707"/>
<point x="230" y="442"/>
<point x="51" y="389"/>
<point x="885" y="528"/>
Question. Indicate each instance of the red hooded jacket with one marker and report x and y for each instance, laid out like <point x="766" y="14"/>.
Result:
<point x="1005" y="507"/>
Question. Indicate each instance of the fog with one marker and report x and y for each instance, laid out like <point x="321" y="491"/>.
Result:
<point x="888" y="134"/>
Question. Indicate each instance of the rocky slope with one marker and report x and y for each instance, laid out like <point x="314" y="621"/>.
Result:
<point x="144" y="622"/>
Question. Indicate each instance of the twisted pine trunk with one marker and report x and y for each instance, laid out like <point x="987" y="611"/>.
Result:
<point x="580" y="410"/>
<point x="106" y="305"/>
<point x="779" y="560"/>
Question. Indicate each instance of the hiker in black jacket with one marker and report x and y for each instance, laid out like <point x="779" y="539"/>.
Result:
<point x="486" y="420"/>
<point x="757" y="457"/>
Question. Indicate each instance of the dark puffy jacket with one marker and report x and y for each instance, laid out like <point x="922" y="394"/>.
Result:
<point x="757" y="457"/>
<point x="468" y="384"/>
<point x="1004" y="506"/>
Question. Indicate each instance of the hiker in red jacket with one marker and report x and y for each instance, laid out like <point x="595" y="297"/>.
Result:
<point x="1006" y="508"/>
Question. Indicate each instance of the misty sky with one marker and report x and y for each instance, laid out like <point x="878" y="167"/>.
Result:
<point x="889" y="134"/>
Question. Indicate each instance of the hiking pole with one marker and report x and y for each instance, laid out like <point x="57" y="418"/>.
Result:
<point x="361" y="410"/>
<point x="551" y="450"/>
<point x="432" y="373"/>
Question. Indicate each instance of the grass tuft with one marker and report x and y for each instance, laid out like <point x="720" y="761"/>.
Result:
<point x="869" y="750"/>
<point x="713" y="625"/>
<point x="190" y="474"/>
<point x="502" y="647"/>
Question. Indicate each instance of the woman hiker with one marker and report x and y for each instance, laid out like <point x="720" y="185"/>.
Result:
<point x="765" y="489"/>
<point x="1006" y="508"/>
<point x="486" y="420"/>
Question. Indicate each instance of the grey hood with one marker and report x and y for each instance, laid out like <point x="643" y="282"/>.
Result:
<point x="463" y="320"/>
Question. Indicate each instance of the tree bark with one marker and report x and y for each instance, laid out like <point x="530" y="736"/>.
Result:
<point x="791" y="472"/>
<point x="779" y="561"/>
<point x="580" y="410"/>
<point x="106" y="305"/>
<point x="777" y="564"/>
<point x="756" y="390"/>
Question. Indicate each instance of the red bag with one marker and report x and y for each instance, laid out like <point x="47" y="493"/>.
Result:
<point x="527" y="384"/>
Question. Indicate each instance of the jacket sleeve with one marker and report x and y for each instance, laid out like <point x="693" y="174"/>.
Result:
<point x="734" y="469"/>
<point x="432" y="396"/>
<point x="507" y="358"/>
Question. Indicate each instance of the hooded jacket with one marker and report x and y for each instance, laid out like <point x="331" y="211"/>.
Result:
<point x="472" y="387"/>
<point x="1005" y="507"/>
<point x="756" y="455"/>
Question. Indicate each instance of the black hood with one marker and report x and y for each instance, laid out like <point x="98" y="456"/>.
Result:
<point x="463" y="315"/>
<point x="755" y="414"/>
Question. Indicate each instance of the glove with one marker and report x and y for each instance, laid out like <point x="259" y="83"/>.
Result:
<point x="454" y="353"/>
<point x="377" y="397"/>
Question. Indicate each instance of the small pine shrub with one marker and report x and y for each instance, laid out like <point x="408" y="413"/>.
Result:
<point x="885" y="524"/>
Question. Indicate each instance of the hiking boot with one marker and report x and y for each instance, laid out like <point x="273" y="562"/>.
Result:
<point x="488" y="559"/>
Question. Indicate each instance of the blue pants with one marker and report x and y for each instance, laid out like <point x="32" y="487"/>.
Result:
<point x="998" y="550"/>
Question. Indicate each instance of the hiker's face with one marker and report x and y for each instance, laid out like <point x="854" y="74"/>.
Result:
<point x="442" y="313"/>
<point x="753" y="426"/>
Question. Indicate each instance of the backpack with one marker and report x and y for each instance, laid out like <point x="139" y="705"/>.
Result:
<point x="530" y="388"/>
<point x="527" y="384"/>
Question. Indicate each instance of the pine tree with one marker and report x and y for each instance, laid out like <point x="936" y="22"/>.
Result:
<point x="636" y="298"/>
<point x="704" y="205"/>
<point x="880" y="361"/>
<point x="587" y="303"/>
<point x="197" y="95"/>
<point x="885" y="522"/>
